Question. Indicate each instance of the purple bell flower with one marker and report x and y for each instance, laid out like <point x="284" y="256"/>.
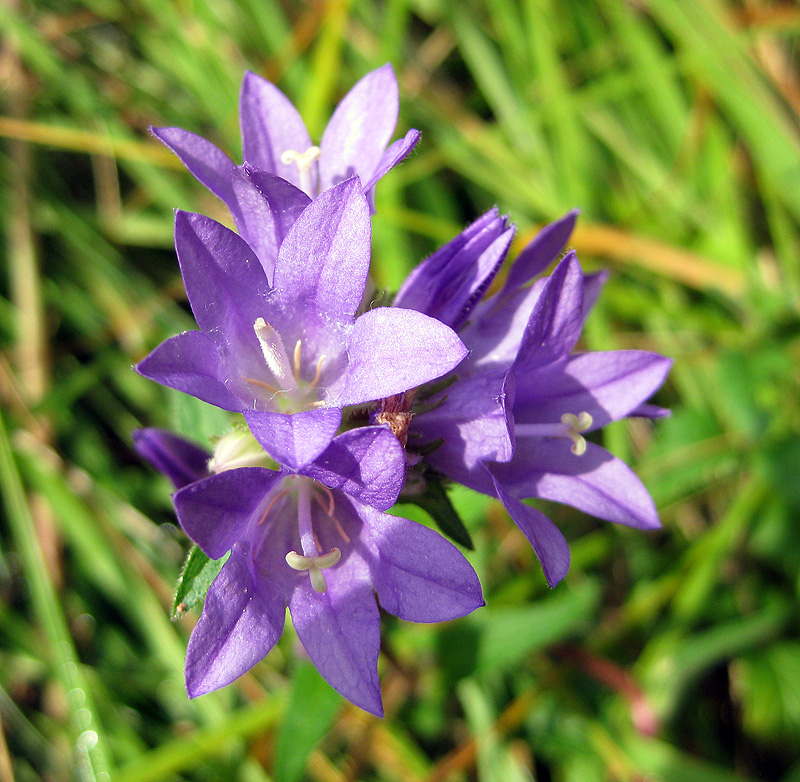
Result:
<point x="315" y="540"/>
<point x="512" y="423"/>
<point x="282" y="168"/>
<point x="289" y="355"/>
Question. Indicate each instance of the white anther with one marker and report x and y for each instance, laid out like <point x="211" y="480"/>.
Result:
<point x="274" y="353"/>
<point x="304" y="160"/>
<point x="314" y="566"/>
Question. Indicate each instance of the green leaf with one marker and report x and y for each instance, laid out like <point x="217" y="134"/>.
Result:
<point x="436" y="502"/>
<point x="313" y="706"/>
<point x="198" y="572"/>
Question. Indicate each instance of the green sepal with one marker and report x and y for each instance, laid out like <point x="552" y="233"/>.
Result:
<point x="196" y="576"/>
<point x="435" y="501"/>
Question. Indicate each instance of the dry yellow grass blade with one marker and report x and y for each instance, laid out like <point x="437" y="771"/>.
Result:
<point x="628" y="249"/>
<point x="87" y="141"/>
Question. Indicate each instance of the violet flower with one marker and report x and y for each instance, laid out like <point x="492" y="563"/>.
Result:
<point x="512" y="423"/>
<point x="315" y="540"/>
<point x="282" y="166"/>
<point x="290" y="355"/>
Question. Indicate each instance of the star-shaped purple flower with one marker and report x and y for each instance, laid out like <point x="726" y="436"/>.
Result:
<point x="282" y="169"/>
<point x="512" y="423"/>
<point x="291" y="354"/>
<point x="315" y="540"/>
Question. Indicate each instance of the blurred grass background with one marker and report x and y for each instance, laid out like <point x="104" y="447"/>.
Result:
<point x="673" y="125"/>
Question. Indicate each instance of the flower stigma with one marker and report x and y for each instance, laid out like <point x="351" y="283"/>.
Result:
<point x="571" y="426"/>
<point x="312" y="560"/>
<point x="305" y="160"/>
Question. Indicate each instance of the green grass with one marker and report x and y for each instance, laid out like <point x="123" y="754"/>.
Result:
<point x="674" y="126"/>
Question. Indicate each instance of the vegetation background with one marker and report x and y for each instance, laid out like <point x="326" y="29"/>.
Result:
<point x="673" y="125"/>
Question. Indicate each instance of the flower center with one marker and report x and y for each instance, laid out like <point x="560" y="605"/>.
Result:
<point x="305" y="161"/>
<point x="291" y="392"/>
<point x="312" y="560"/>
<point x="571" y="426"/>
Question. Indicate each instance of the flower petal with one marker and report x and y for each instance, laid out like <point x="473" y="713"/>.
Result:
<point x="225" y="282"/>
<point x="340" y="631"/>
<point x="297" y="439"/>
<point x="557" y="318"/>
<point x="269" y="207"/>
<point x="474" y="422"/>
<point x="449" y="283"/>
<point x="608" y="385"/>
<point x="239" y="625"/>
<point x="270" y="126"/>
<point x="323" y="262"/>
<point x="549" y="544"/>
<point x="360" y="128"/>
<point x="419" y="576"/>
<point x="393" y="350"/>
<point x="395" y="154"/>
<point x="541" y="251"/>
<point x="217" y="511"/>
<point x="596" y="482"/>
<point x="209" y="164"/>
<point x="180" y="460"/>
<point x="367" y="463"/>
<point x="190" y="362"/>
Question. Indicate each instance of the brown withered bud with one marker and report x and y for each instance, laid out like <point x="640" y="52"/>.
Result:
<point x="396" y="412"/>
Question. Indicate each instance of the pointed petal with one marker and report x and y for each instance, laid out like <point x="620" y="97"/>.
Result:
<point x="217" y="511"/>
<point x="297" y="439"/>
<point x="393" y="350"/>
<point x="323" y="263"/>
<point x="549" y="544"/>
<point x="206" y="162"/>
<point x="419" y="576"/>
<point x="268" y="207"/>
<point x="270" y="126"/>
<point x="596" y="483"/>
<point x="190" y="362"/>
<point x="541" y="251"/>
<point x="592" y="287"/>
<point x="360" y="128"/>
<point x="395" y="154"/>
<point x="224" y="280"/>
<point x="476" y="426"/>
<point x="556" y="320"/>
<point x="498" y="324"/>
<point x="650" y="411"/>
<point x="608" y="385"/>
<point x="240" y="623"/>
<point x="340" y="631"/>
<point x="449" y="283"/>
<point x="367" y="463"/>
<point x="180" y="460"/>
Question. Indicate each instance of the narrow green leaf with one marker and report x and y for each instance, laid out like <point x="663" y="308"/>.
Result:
<point x="197" y="573"/>
<point x="313" y="705"/>
<point x="436" y="502"/>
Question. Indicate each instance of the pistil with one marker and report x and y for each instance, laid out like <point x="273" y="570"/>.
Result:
<point x="305" y="160"/>
<point x="571" y="426"/>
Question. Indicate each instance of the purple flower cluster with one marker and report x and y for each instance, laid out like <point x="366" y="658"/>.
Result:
<point x="343" y="406"/>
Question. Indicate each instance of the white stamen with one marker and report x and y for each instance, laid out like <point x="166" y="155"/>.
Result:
<point x="571" y="426"/>
<point x="274" y="353"/>
<point x="314" y="566"/>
